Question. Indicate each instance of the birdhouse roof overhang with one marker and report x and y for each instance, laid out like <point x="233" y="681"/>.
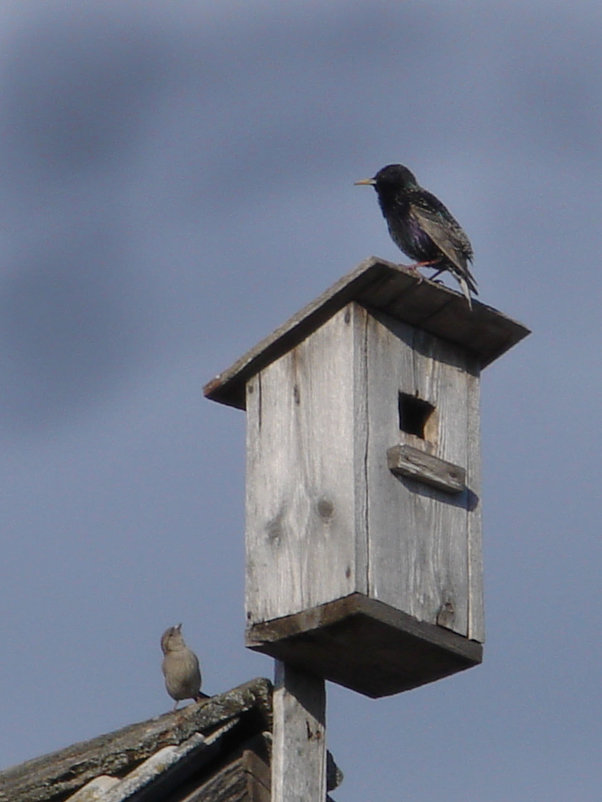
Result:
<point x="395" y="290"/>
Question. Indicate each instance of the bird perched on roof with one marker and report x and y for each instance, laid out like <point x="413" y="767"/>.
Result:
<point x="180" y="667"/>
<point x="421" y="226"/>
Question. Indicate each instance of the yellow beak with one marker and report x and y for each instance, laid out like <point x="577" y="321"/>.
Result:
<point x="365" y="182"/>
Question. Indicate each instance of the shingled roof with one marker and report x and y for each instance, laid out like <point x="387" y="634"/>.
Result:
<point x="217" y="751"/>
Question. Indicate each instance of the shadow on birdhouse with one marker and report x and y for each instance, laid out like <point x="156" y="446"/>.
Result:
<point x="363" y="513"/>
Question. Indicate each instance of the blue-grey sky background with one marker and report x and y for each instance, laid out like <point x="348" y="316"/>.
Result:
<point x="177" y="180"/>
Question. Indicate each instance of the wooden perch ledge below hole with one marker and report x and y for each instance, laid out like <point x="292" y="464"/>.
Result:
<point x="404" y="460"/>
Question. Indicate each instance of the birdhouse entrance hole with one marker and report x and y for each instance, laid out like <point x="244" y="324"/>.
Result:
<point x="414" y="414"/>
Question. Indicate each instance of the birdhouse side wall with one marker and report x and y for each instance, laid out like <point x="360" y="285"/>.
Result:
<point x="424" y="551"/>
<point x="305" y="510"/>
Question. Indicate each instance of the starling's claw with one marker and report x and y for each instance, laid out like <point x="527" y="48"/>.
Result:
<point x="414" y="269"/>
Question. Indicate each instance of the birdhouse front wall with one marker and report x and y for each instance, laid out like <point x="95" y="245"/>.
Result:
<point x="327" y="516"/>
<point x="424" y="541"/>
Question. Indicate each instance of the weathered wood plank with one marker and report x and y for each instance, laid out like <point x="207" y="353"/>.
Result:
<point x="299" y="736"/>
<point x="257" y="773"/>
<point x="243" y="779"/>
<point x="54" y="776"/>
<point x="391" y="288"/>
<point x="229" y="785"/>
<point x="365" y="645"/>
<point x="417" y="534"/>
<point x="359" y="317"/>
<point x="476" y="609"/>
<point x="404" y="460"/>
<point x="305" y="543"/>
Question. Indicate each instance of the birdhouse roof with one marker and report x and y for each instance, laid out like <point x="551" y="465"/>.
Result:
<point x="394" y="289"/>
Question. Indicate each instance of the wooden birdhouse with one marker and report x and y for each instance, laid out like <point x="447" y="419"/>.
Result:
<point x="363" y="511"/>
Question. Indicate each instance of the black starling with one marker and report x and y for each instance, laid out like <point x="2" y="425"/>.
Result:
<point x="421" y="225"/>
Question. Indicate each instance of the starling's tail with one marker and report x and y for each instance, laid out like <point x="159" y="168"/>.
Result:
<point x="465" y="290"/>
<point x="471" y="281"/>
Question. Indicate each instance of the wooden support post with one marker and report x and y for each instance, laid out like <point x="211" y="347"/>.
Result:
<point x="299" y="736"/>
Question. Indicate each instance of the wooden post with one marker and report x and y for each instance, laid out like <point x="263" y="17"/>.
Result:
<point x="299" y="736"/>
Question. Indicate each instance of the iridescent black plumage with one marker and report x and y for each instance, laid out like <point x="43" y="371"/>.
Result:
<point x="421" y="226"/>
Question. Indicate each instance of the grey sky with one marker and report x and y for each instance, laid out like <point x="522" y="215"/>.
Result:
<point x="177" y="180"/>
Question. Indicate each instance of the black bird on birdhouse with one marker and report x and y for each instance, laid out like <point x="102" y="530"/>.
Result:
<point x="421" y="226"/>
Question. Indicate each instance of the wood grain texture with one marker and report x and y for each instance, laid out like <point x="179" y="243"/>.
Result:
<point x="404" y="460"/>
<point x="229" y="785"/>
<point x="306" y="539"/>
<point x="257" y="772"/>
<point x="476" y="610"/>
<point x="245" y="779"/>
<point x="299" y="736"/>
<point x="417" y="534"/>
<point x="365" y="645"/>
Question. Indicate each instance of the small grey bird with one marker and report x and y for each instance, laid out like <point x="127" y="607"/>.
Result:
<point x="421" y="226"/>
<point x="180" y="667"/>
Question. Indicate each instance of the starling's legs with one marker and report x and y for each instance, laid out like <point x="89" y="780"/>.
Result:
<point x="431" y="263"/>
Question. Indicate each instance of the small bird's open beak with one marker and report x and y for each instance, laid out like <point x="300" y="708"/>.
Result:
<point x="365" y="182"/>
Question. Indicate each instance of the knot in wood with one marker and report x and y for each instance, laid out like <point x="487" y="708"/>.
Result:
<point x="325" y="509"/>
